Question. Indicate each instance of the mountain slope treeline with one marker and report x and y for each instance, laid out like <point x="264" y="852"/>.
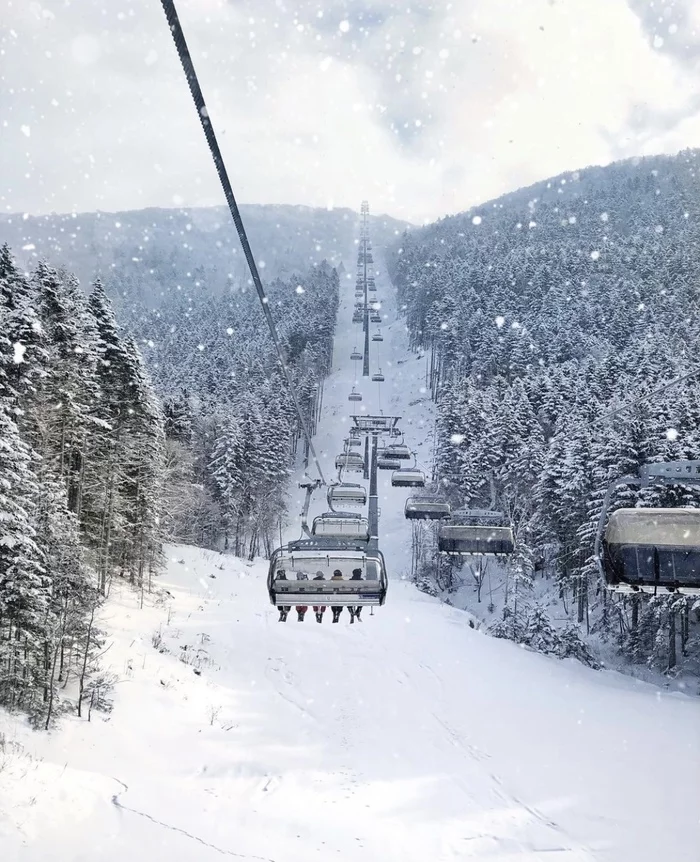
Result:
<point x="539" y="313"/>
<point x="148" y="256"/>
<point x="98" y="465"/>
<point x="81" y="463"/>
<point x="231" y="428"/>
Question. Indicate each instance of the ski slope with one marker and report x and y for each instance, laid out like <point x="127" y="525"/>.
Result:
<point x="402" y="394"/>
<point x="405" y="738"/>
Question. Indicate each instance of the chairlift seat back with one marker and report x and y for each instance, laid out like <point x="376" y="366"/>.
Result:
<point x="340" y="527"/>
<point x="398" y="451"/>
<point x="653" y="549"/>
<point x="407" y="479"/>
<point x="369" y="590"/>
<point x="347" y="494"/>
<point x="425" y="509"/>
<point x="350" y="461"/>
<point x="384" y="463"/>
<point x="472" y="540"/>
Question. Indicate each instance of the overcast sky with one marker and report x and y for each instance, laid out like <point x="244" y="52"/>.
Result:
<point x="424" y="108"/>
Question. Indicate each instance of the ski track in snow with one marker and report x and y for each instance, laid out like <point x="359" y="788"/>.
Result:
<point x="406" y="737"/>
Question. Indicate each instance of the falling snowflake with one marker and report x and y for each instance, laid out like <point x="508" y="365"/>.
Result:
<point x="671" y="434"/>
<point x="457" y="439"/>
<point x="658" y="41"/>
<point x="26" y="130"/>
<point x="344" y="26"/>
<point x="476" y="220"/>
<point x="300" y="289"/>
<point x="19" y="351"/>
<point x="595" y="255"/>
<point x="659" y="228"/>
<point x="444" y="326"/>
<point x="500" y="321"/>
<point x="604" y="216"/>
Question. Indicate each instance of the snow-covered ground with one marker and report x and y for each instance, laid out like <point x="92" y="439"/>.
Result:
<point x="408" y="736"/>
<point x="402" y="394"/>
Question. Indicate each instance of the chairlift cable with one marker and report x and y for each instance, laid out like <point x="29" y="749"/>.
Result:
<point x="196" y="91"/>
<point x="642" y="398"/>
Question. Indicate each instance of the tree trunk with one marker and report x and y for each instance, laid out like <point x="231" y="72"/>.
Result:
<point x="672" y="656"/>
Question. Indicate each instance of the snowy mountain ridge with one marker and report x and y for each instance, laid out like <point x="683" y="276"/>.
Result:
<point x="143" y="255"/>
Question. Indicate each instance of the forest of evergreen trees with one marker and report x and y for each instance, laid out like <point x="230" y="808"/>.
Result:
<point x="81" y="470"/>
<point x="98" y="466"/>
<point x="539" y="313"/>
<point x="231" y="430"/>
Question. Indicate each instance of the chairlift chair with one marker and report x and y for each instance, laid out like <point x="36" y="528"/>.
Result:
<point x="377" y="336"/>
<point x="350" y="461"/>
<point x="354" y="395"/>
<point x="323" y="556"/>
<point x="356" y="356"/>
<point x="398" y="451"/>
<point x="426" y="509"/>
<point x="651" y="549"/>
<point x="346" y="494"/>
<point x="408" y="478"/>
<point x="378" y="377"/>
<point x="384" y="463"/>
<point x="647" y="550"/>
<point x="341" y="525"/>
<point x="482" y="534"/>
<point x="481" y="541"/>
<point x="375" y="318"/>
<point x="352" y="441"/>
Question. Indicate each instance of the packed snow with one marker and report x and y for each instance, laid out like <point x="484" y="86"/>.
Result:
<point x="407" y="736"/>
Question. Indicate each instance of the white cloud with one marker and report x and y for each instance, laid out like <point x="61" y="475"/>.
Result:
<point x="404" y="107"/>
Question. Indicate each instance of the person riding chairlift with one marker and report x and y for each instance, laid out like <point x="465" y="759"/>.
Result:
<point x="337" y="610"/>
<point x="301" y="609"/>
<point x="284" y="609"/>
<point x="319" y="610"/>
<point x="355" y="611"/>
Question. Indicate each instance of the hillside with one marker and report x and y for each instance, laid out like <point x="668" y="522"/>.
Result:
<point x="144" y="256"/>
<point x="540" y="312"/>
